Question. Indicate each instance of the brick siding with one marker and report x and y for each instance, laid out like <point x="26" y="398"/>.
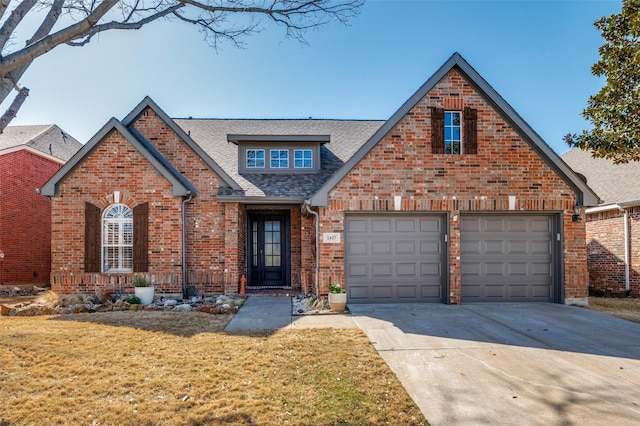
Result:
<point x="215" y="232"/>
<point x="25" y="224"/>
<point x="606" y="251"/>
<point x="401" y="164"/>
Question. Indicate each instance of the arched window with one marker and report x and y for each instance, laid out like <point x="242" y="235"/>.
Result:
<point x="117" y="239"/>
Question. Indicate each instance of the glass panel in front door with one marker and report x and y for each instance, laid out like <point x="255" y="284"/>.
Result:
<point x="272" y="246"/>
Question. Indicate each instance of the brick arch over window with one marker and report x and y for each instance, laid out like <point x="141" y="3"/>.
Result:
<point x="93" y="235"/>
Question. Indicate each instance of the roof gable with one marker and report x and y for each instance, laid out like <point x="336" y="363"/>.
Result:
<point x="585" y="196"/>
<point x="47" y="140"/>
<point x="181" y="186"/>
<point x="147" y="102"/>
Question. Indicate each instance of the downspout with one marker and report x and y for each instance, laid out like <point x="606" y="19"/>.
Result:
<point x="306" y="207"/>
<point x="184" y="243"/>
<point x="627" y="288"/>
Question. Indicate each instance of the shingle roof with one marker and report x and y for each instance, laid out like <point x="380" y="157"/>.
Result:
<point x="47" y="138"/>
<point x="347" y="136"/>
<point x="614" y="183"/>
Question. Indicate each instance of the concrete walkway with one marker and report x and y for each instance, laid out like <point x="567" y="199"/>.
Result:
<point x="274" y="313"/>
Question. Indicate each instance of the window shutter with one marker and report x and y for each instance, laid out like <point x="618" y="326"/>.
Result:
<point x="470" y="140"/>
<point x="91" y="238"/>
<point x="140" y="238"/>
<point x="437" y="130"/>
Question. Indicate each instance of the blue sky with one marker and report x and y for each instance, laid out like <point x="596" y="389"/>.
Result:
<point x="536" y="54"/>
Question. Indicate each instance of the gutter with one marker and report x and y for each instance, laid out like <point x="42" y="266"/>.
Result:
<point x="184" y="243"/>
<point x="306" y="208"/>
<point x="257" y="199"/>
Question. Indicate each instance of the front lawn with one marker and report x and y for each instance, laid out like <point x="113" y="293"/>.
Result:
<point x="622" y="307"/>
<point x="168" y="368"/>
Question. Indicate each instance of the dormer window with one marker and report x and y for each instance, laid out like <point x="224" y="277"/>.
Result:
<point x="279" y="159"/>
<point x="255" y="158"/>
<point x="279" y="153"/>
<point x="303" y="159"/>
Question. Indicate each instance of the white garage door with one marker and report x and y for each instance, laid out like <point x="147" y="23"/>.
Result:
<point x="394" y="258"/>
<point x="507" y="258"/>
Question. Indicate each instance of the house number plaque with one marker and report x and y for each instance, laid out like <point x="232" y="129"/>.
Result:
<point x="331" y="237"/>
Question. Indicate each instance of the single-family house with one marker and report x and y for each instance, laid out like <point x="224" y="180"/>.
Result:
<point x="453" y="199"/>
<point x="29" y="156"/>
<point x="613" y="228"/>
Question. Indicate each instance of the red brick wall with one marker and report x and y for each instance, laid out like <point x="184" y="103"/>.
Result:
<point x="25" y="225"/>
<point x="115" y="165"/>
<point x="212" y="238"/>
<point x="402" y="164"/>
<point x="606" y="251"/>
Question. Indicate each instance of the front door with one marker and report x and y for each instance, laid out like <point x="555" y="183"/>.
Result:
<point x="268" y="249"/>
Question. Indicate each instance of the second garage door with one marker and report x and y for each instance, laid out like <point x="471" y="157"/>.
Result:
<point x="507" y="258"/>
<point x="394" y="258"/>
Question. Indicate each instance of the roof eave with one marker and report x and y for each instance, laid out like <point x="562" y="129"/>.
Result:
<point x="32" y="150"/>
<point x="51" y="187"/>
<point x="258" y="200"/>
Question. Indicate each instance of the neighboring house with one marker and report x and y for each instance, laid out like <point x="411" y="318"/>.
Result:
<point x="613" y="228"/>
<point x="29" y="156"/>
<point x="454" y="199"/>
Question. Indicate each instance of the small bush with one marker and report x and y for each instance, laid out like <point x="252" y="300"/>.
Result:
<point x="134" y="300"/>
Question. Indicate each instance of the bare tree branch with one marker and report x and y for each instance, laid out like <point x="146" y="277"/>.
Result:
<point x="9" y="81"/>
<point x="87" y="35"/>
<point x="212" y="17"/>
<point x="47" y="43"/>
<point x="12" y="22"/>
<point x="12" y="111"/>
<point x="4" y="4"/>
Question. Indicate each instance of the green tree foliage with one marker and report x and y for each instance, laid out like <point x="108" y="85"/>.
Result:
<point x="615" y="110"/>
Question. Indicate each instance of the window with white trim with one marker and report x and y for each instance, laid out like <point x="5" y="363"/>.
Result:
<point x="117" y="239"/>
<point x="255" y="159"/>
<point x="452" y="128"/>
<point x="303" y="159"/>
<point x="279" y="159"/>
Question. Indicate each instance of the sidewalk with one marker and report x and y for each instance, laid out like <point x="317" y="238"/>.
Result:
<point x="274" y="313"/>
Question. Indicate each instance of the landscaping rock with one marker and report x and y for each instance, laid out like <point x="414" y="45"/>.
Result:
<point x="5" y="310"/>
<point x="209" y="309"/>
<point x="80" y="309"/>
<point x="183" y="308"/>
<point x="309" y="305"/>
<point x="51" y="303"/>
<point x="33" y="310"/>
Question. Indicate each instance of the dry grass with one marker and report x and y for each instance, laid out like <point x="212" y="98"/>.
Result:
<point x="625" y="308"/>
<point x="152" y="368"/>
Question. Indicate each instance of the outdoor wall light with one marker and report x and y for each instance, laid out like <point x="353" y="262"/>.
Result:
<point x="575" y="217"/>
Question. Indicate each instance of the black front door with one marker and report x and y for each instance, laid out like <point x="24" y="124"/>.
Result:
<point x="268" y="249"/>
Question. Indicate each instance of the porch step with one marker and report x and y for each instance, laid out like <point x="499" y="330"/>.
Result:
<point x="270" y="291"/>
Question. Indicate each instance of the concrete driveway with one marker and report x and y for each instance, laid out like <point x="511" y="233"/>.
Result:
<point x="508" y="364"/>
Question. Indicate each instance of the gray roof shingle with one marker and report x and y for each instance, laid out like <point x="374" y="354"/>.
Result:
<point x="47" y="138"/>
<point x="614" y="183"/>
<point x="347" y="136"/>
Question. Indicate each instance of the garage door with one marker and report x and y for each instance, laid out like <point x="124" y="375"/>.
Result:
<point x="394" y="258"/>
<point x="507" y="258"/>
